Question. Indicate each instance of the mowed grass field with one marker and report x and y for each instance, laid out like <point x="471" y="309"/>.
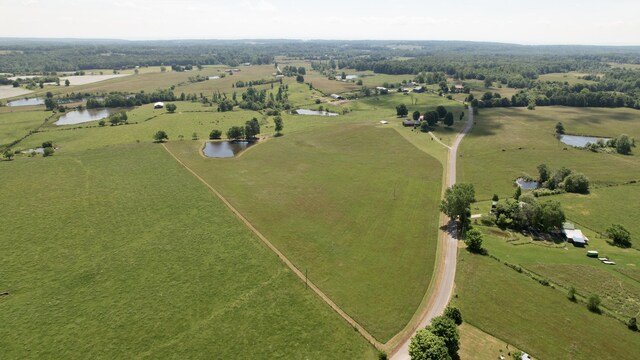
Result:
<point x="537" y="319"/>
<point x="16" y="124"/>
<point x="123" y="254"/>
<point x="508" y="142"/>
<point x="567" y="266"/>
<point x="353" y="204"/>
<point x="604" y="207"/>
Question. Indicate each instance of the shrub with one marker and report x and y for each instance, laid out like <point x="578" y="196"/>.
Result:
<point x="473" y="240"/>
<point x="576" y="183"/>
<point x="47" y="144"/>
<point x="619" y="235"/>
<point x="571" y="294"/>
<point x="593" y="303"/>
<point x="171" y="108"/>
<point x="48" y="151"/>
<point x="215" y="134"/>
<point x="632" y="324"/>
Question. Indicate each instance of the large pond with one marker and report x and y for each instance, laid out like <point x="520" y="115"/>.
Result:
<point x="225" y="149"/>
<point x="26" y="102"/>
<point x="83" y="116"/>
<point x="580" y="141"/>
<point x="315" y="112"/>
<point x="527" y="185"/>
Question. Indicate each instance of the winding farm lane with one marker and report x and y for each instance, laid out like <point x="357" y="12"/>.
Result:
<point x="446" y="272"/>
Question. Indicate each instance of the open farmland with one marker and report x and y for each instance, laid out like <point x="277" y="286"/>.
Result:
<point x="604" y="207"/>
<point x="537" y="319"/>
<point x="361" y="244"/>
<point x="507" y="143"/>
<point x="115" y="262"/>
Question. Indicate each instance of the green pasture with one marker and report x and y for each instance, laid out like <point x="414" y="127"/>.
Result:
<point x="16" y="124"/>
<point x="604" y="207"/>
<point x="570" y="77"/>
<point x="121" y="253"/>
<point x="355" y="205"/>
<point x="537" y="319"/>
<point x="509" y="142"/>
<point x="567" y="266"/>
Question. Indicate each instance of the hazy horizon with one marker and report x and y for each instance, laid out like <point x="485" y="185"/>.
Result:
<point x="586" y="22"/>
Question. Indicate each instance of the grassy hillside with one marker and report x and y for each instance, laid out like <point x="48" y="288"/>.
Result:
<point x="509" y="142"/>
<point x="123" y="254"/>
<point x="352" y="204"/>
<point x="537" y="319"/>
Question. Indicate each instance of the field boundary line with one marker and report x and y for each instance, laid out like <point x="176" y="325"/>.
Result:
<point x="282" y="257"/>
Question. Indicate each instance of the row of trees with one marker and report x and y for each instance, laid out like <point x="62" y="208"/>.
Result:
<point x="119" y="99"/>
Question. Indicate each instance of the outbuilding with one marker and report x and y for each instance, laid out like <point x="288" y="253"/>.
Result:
<point x="337" y="97"/>
<point x="158" y="105"/>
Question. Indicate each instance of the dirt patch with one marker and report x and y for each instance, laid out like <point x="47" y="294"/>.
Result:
<point x="8" y="91"/>
<point x="89" y="79"/>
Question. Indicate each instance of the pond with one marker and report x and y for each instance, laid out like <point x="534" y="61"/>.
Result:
<point x="580" y="141"/>
<point x="36" y="150"/>
<point x="527" y="185"/>
<point x="315" y="112"/>
<point x="225" y="149"/>
<point x="26" y="102"/>
<point x="83" y="116"/>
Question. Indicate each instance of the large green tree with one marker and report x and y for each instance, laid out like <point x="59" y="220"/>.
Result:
<point x="446" y="329"/>
<point x="550" y="216"/>
<point x="235" y="133"/>
<point x="160" y="136"/>
<point x="251" y="129"/>
<point x="427" y="346"/>
<point x="442" y="111"/>
<point x="448" y="119"/>
<point x="457" y="200"/>
<point x="401" y="110"/>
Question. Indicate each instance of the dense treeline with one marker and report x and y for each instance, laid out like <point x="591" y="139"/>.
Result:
<point x="31" y="55"/>
<point x="119" y="99"/>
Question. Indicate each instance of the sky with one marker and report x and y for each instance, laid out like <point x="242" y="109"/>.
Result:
<point x="587" y="22"/>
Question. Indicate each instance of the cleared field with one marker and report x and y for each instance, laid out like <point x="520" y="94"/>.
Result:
<point x="507" y="143"/>
<point x="8" y="91"/>
<point x="604" y="207"/>
<point x="16" y="124"/>
<point x="225" y="85"/>
<point x="122" y="253"/>
<point x="571" y="78"/>
<point x="535" y="318"/>
<point x="89" y="79"/>
<point x="618" y="294"/>
<point x="476" y="344"/>
<point x="351" y="204"/>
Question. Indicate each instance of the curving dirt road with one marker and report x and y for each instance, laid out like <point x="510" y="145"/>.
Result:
<point x="446" y="271"/>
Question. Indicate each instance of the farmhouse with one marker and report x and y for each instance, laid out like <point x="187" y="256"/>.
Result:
<point x="458" y="88"/>
<point x="410" y="122"/>
<point x="418" y="89"/>
<point x="337" y="97"/>
<point x="158" y="105"/>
